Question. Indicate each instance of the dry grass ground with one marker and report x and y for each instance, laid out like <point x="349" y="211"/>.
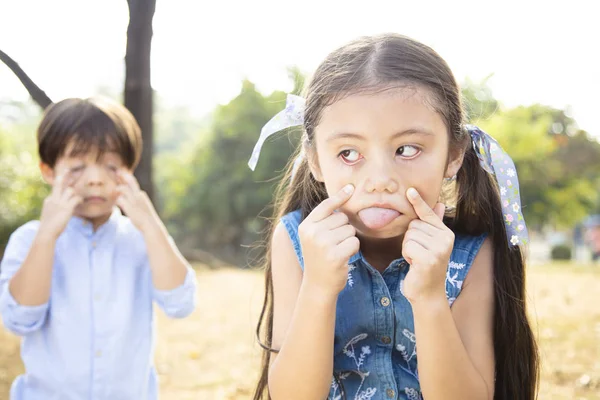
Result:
<point x="212" y="354"/>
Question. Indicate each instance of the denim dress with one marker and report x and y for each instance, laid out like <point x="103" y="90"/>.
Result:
<point x="375" y="356"/>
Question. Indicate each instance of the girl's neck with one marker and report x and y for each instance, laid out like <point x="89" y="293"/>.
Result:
<point x="381" y="252"/>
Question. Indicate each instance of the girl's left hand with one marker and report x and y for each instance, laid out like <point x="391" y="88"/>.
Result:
<point x="427" y="246"/>
<point x="135" y="202"/>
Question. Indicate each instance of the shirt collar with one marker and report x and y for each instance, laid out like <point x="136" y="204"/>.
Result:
<point x="84" y="226"/>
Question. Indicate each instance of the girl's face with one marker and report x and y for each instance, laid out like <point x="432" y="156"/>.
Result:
<point x="383" y="144"/>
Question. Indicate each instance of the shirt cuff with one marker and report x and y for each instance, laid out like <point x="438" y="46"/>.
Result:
<point x="180" y="301"/>
<point x="19" y="318"/>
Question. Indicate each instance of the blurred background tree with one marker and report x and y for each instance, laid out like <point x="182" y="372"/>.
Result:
<point x="215" y="206"/>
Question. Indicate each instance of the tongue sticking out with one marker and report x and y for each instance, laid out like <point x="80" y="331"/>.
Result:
<point x="376" y="218"/>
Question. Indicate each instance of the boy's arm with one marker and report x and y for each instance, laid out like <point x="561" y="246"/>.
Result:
<point x="173" y="279"/>
<point x="25" y="279"/>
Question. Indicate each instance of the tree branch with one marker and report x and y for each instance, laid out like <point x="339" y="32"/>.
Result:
<point x="37" y="94"/>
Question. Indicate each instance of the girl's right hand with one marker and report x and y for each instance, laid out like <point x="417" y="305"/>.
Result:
<point x="328" y="241"/>
<point x="58" y="207"/>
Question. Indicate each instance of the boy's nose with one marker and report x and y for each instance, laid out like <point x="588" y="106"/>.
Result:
<point x="95" y="175"/>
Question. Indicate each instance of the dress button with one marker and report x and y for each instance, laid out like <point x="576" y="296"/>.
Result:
<point x="385" y="301"/>
<point x="94" y="245"/>
<point x="390" y="393"/>
<point x="386" y="340"/>
<point x="97" y="297"/>
<point x="98" y="353"/>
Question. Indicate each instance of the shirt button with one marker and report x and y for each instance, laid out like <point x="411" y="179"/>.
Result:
<point x="94" y="245"/>
<point x="386" y="340"/>
<point x="97" y="297"/>
<point x="98" y="353"/>
<point x="385" y="301"/>
<point x="390" y="393"/>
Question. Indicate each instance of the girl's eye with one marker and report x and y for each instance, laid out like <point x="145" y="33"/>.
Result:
<point x="112" y="168"/>
<point x="78" y="168"/>
<point x="407" y="151"/>
<point x="350" y="156"/>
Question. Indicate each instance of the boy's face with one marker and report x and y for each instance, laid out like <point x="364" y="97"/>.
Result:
<point x="383" y="144"/>
<point x="93" y="178"/>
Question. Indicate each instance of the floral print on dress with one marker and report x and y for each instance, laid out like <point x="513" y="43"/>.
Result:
<point x="454" y="279"/>
<point x="351" y="268"/>
<point x="404" y="351"/>
<point x="350" y="350"/>
<point x="412" y="394"/>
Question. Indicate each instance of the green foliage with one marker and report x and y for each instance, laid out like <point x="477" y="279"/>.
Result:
<point x="210" y="199"/>
<point x="212" y="192"/>
<point x="557" y="172"/>
<point x="561" y="252"/>
<point x="478" y="100"/>
<point x="22" y="190"/>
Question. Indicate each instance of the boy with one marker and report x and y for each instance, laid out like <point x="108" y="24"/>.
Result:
<point x="78" y="285"/>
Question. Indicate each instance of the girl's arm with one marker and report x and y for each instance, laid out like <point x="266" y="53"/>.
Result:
<point x="303" y="329"/>
<point x="455" y="346"/>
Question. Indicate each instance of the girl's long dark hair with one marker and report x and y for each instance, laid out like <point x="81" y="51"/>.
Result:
<point x="383" y="62"/>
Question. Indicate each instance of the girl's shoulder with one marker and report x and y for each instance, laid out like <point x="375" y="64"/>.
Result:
<point x="466" y="248"/>
<point x="291" y="221"/>
<point x="467" y="245"/>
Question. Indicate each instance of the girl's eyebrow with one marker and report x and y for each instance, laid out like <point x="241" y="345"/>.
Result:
<point x="345" y="135"/>
<point x="411" y="131"/>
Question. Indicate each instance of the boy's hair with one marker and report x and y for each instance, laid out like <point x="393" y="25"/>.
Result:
<point x="383" y="62"/>
<point x="83" y="125"/>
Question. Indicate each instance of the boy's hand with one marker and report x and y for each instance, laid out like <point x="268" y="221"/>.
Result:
<point x="135" y="202"/>
<point x="58" y="206"/>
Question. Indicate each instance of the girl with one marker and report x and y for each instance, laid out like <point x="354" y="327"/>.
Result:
<point x="394" y="269"/>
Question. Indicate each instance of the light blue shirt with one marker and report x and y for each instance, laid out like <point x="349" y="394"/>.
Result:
<point x="94" y="339"/>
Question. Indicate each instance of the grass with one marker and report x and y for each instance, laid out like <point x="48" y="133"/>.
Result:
<point x="213" y="355"/>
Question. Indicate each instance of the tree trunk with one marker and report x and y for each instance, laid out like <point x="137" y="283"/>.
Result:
<point x="37" y="94"/>
<point x="138" y="88"/>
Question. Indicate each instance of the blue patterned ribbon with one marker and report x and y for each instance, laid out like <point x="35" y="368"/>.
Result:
<point x="497" y="162"/>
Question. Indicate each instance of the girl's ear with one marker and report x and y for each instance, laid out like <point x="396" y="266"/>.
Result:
<point x="313" y="162"/>
<point x="455" y="163"/>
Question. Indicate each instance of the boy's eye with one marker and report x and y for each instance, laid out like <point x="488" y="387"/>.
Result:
<point x="407" y="151"/>
<point x="350" y="156"/>
<point x="77" y="168"/>
<point x="113" y="168"/>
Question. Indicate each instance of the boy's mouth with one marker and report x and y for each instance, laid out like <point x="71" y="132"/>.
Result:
<point x="377" y="217"/>
<point x="94" y="200"/>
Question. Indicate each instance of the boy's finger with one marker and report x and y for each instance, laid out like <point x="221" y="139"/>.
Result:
<point x="129" y="179"/>
<point x="75" y="201"/>
<point x="58" y="186"/>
